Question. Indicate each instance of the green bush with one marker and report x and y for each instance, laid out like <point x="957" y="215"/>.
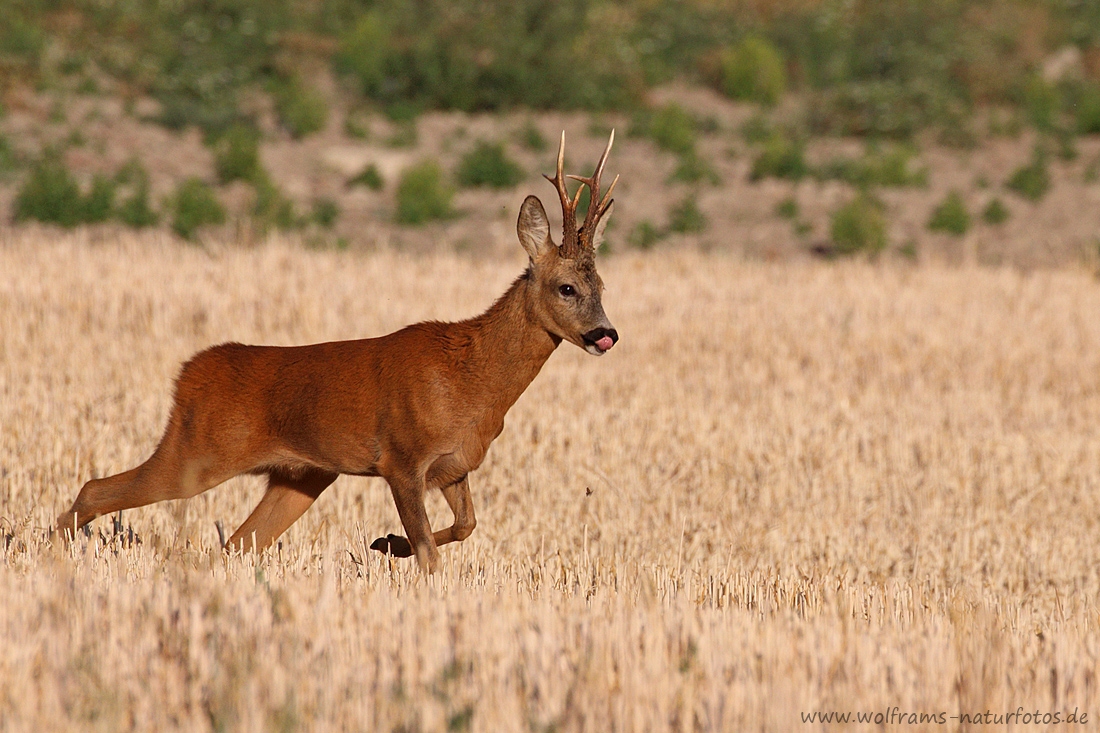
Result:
<point x="301" y="110"/>
<point x="271" y="207"/>
<point x="1031" y="181"/>
<point x="486" y="164"/>
<point x="859" y="226"/>
<point x="692" y="169"/>
<point x="370" y="177"/>
<point x="50" y="194"/>
<point x="325" y="212"/>
<point x="996" y="212"/>
<point x="7" y="155"/>
<point x="950" y="216"/>
<point x="194" y="205"/>
<point x="686" y="218"/>
<point x="1043" y="102"/>
<point x="135" y="210"/>
<point x="422" y="194"/>
<point x="673" y="129"/>
<point x="532" y="139"/>
<point x="1087" y="109"/>
<point x="753" y="70"/>
<point x="891" y="167"/>
<point x="99" y="205"/>
<point x="787" y="208"/>
<point x="783" y="156"/>
<point x="237" y="154"/>
<point x="644" y="235"/>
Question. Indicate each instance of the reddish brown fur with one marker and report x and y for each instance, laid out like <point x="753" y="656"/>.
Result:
<point x="418" y="407"/>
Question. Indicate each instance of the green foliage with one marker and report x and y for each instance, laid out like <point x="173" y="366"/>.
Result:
<point x="486" y="164"/>
<point x="787" y="208"/>
<point x="237" y="154"/>
<point x="325" y="212"/>
<point x="673" y="129"/>
<point x="859" y="226"/>
<point x="1031" y="181"/>
<point x="50" y="194"/>
<point x="532" y="139"/>
<point x="473" y="55"/>
<point x="995" y="212"/>
<point x="370" y="177"/>
<point x="422" y="194"/>
<point x="195" y="205"/>
<point x="8" y="158"/>
<point x="271" y="207"/>
<point x="1087" y="109"/>
<point x="692" y="169"/>
<point x="1042" y="102"/>
<point x="783" y="156"/>
<point x="301" y="109"/>
<point x="753" y="70"/>
<point x="98" y="206"/>
<point x="686" y="218"/>
<point x="644" y="235"/>
<point x="950" y="215"/>
<point x="890" y="166"/>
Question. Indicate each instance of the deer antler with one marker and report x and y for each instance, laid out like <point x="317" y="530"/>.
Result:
<point x="574" y="240"/>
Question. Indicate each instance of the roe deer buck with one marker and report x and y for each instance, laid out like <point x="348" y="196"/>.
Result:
<point x="418" y="407"/>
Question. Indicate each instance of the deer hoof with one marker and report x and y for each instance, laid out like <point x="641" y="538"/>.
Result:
<point x="394" y="545"/>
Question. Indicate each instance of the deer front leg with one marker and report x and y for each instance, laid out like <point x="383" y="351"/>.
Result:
<point x="462" y="506"/>
<point x="408" y="495"/>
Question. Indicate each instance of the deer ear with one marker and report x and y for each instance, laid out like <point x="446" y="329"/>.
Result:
<point x="597" y="238"/>
<point x="533" y="228"/>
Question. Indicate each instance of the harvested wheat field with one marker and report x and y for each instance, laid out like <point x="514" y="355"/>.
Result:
<point x="791" y="489"/>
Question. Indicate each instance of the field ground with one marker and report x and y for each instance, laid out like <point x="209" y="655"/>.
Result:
<point x="792" y="487"/>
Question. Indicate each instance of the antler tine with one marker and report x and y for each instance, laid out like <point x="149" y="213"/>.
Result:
<point x="568" y="208"/>
<point x="597" y="206"/>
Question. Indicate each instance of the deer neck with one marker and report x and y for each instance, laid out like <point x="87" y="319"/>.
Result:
<point x="510" y="345"/>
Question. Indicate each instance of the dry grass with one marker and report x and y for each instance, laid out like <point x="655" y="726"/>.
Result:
<point x="789" y="488"/>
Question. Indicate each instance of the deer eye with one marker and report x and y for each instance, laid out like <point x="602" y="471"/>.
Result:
<point x="567" y="291"/>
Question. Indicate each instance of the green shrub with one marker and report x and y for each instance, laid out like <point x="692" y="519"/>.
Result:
<point x="271" y="207"/>
<point x="532" y="139"/>
<point x="1043" y="102"/>
<point x="1031" y="181"/>
<point x="99" y="205"/>
<point x="783" y="156"/>
<point x="370" y="177"/>
<point x="422" y="194"/>
<point x="787" y="208"/>
<point x="237" y="154"/>
<point x="135" y="210"/>
<point x="7" y="155"/>
<point x="673" y="129"/>
<point x="644" y="235"/>
<point x="859" y="226"/>
<point x="686" y="218"/>
<point x="486" y="164"/>
<point x="1087" y="109"/>
<point x="325" y="212"/>
<point x="753" y="70"/>
<point x="996" y="212"/>
<point x="194" y="205"/>
<point x="891" y="166"/>
<point x="692" y="169"/>
<point x="950" y="216"/>
<point x="50" y="194"/>
<point x="301" y="109"/>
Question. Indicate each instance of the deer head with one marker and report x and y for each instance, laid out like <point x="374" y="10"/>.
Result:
<point x="564" y="276"/>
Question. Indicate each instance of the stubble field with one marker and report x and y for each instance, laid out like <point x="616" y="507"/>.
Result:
<point x="790" y="488"/>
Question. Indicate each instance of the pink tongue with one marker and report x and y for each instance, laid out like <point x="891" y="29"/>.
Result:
<point x="605" y="343"/>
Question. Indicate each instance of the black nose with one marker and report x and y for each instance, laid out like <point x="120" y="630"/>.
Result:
<point x="598" y="333"/>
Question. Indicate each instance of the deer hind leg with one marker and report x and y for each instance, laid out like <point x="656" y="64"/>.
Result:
<point x="172" y="472"/>
<point x="409" y="497"/>
<point x="462" y="506"/>
<point x="287" y="498"/>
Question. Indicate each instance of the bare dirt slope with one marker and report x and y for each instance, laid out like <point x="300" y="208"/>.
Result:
<point x="1063" y="228"/>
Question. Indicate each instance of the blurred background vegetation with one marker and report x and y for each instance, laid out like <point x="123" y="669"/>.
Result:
<point x="884" y="67"/>
<point x="885" y="70"/>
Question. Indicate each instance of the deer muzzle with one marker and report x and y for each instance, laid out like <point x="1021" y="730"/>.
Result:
<point x="600" y="340"/>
